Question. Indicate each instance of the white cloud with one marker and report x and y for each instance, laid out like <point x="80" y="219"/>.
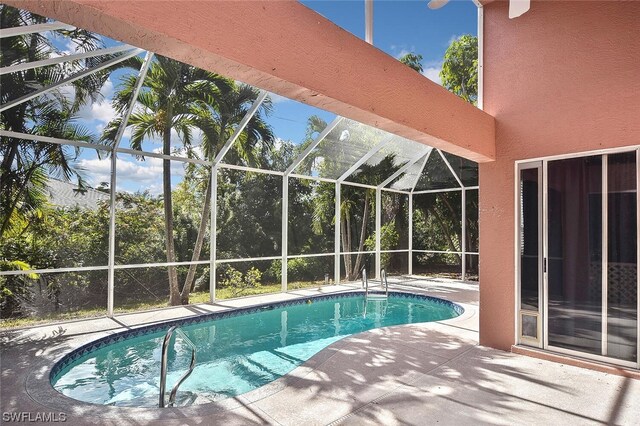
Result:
<point x="132" y="174"/>
<point x="399" y="50"/>
<point x="433" y="73"/>
<point x="101" y="111"/>
<point x="278" y="99"/>
<point x="453" y="38"/>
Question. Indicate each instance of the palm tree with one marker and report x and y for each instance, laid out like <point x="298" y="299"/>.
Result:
<point x="179" y="97"/>
<point x="21" y="169"/>
<point x="250" y="147"/>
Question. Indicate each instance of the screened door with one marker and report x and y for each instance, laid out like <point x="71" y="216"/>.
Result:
<point x="578" y="256"/>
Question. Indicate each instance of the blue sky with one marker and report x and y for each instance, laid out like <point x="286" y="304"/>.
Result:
<point x="399" y="27"/>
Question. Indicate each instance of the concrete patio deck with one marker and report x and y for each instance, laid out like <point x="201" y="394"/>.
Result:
<point x="412" y="374"/>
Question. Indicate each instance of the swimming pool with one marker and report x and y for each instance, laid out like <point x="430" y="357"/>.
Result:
<point x="237" y="351"/>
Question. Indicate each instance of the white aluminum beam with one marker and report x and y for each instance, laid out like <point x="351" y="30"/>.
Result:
<point x="57" y="141"/>
<point x="424" y="163"/>
<point x="249" y="169"/>
<point x="365" y="158"/>
<point x="336" y="235"/>
<point x="243" y="123"/>
<point x="378" y="231"/>
<point x="312" y="146"/>
<point x="213" y="239"/>
<point x="66" y="58"/>
<point x="37" y="28"/>
<point x="70" y="79"/>
<point x="402" y="170"/>
<point x="134" y="97"/>
<point x="455" y="175"/>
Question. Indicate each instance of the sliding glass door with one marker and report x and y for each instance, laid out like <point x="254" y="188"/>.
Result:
<point x="578" y="256"/>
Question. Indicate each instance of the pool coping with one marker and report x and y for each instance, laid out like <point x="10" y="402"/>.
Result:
<point x="39" y="388"/>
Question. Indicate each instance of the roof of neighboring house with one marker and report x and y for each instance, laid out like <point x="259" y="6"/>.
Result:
<point x="67" y="194"/>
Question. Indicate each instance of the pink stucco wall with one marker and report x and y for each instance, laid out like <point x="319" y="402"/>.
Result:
<point x="287" y="48"/>
<point x="564" y="77"/>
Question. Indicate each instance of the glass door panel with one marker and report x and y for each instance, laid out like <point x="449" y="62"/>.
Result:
<point x="575" y="254"/>
<point x="622" y="271"/>
<point x="530" y="252"/>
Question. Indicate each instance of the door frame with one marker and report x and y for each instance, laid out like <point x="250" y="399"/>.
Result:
<point x="543" y="338"/>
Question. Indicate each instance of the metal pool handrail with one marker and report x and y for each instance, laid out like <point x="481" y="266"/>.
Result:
<point x="163" y="366"/>
<point x="365" y="281"/>
<point x="383" y="278"/>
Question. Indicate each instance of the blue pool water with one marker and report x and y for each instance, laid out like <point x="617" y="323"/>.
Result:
<point x="237" y="353"/>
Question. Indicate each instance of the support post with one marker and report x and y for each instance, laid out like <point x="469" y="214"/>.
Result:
<point x="463" y="243"/>
<point x="336" y="244"/>
<point x="410" y="271"/>
<point x="285" y="229"/>
<point x="378" y="230"/>
<point x="112" y="235"/>
<point x="214" y="234"/>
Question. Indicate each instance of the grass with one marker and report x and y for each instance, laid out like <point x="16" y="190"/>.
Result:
<point x="194" y="298"/>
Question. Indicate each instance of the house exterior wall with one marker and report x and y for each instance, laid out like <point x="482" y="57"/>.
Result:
<point x="563" y="78"/>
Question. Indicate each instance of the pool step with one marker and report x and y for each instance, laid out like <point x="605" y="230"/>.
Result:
<point x="377" y="296"/>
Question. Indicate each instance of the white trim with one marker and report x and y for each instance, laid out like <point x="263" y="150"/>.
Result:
<point x="544" y="303"/>
<point x="638" y="256"/>
<point x="69" y="79"/>
<point x="604" y="336"/>
<point x="24" y="66"/>
<point x="395" y="251"/>
<point x="36" y="28"/>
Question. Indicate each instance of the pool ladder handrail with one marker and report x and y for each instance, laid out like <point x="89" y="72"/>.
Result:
<point x="383" y="280"/>
<point x="365" y="282"/>
<point x="163" y="366"/>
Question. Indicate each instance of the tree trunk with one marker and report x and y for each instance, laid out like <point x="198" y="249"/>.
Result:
<point x="363" y="231"/>
<point x="174" y="290"/>
<point x="345" y="245"/>
<point x="445" y="231"/>
<point x="188" y="283"/>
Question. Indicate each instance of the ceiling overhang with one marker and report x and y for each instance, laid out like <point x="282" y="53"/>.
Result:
<point x="288" y="49"/>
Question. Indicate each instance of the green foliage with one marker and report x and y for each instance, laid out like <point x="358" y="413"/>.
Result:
<point x="413" y="61"/>
<point x="239" y="283"/>
<point x="460" y="68"/>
